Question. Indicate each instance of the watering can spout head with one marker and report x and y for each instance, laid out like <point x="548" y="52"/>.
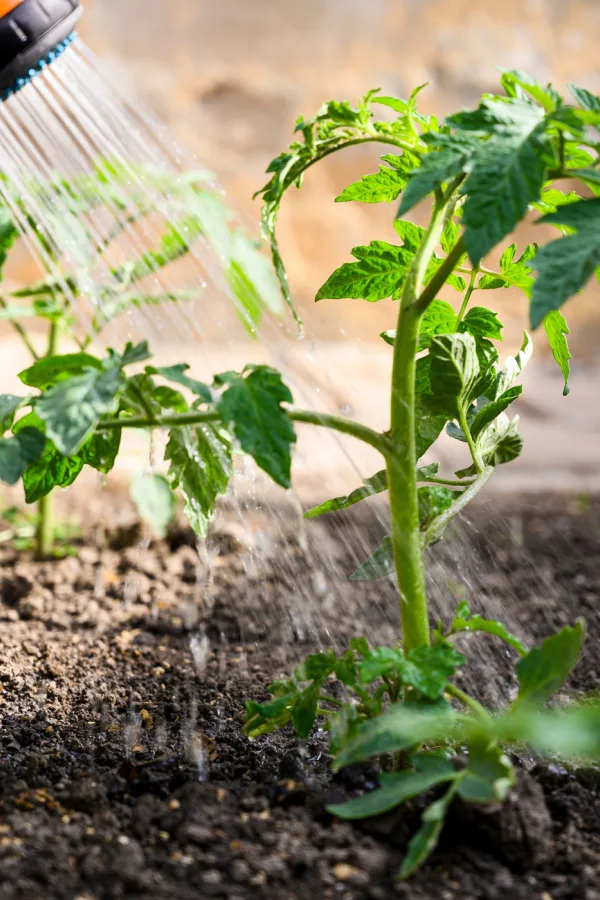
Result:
<point x="33" y="34"/>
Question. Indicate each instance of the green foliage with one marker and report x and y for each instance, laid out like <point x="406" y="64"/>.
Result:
<point x="154" y="500"/>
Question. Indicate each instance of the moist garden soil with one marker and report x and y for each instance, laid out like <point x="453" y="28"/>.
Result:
<point x="123" y="675"/>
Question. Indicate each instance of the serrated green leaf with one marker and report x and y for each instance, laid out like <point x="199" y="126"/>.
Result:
<point x="378" y="274"/>
<point x="51" y="470"/>
<point x="586" y="100"/>
<point x="17" y="452"/>
<point x="513" y="366"/>
<point x="395" y="789"/>
<point x="454" y="371"/>
<point x="201" y="466"/>
<point x="360" y="645"/>
<point x="482" y="322"/>
<point x="546" y="668"/>
<point x="168" y="398"/>
<point x="449" y="157"/>
<point x="518" y="272"/>
<point x="384" y="186"/>
<point x="410" y="234"/>
<point x="251" y="404"/>
<point x="379" y="564"/>
<point x="45" y="373"/>
<point x="154" y="500"/>
<point x="500" y="442"/>
<point x="546" y="97"/>
<point x="135" y="353"/>
<point x="565" y="265"/>
<point x="488" y="777"/>
<point x="439" y="318"/>
<point x="376" y="484"/>
<point x="464" y="621"/>
<point x="400" y="727"/>
<point x="380" y="661"/>
<point x="557" y="330"/>
<point x="72" y="408"/>
<point x="177" y="374"/>
<point x="508" y="175"/>
<point x="319" y="665"/>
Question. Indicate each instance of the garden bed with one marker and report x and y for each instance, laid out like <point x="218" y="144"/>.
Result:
<point x="123" y="770"/>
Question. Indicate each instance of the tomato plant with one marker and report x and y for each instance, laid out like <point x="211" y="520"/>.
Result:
<point x="482" y="171"/>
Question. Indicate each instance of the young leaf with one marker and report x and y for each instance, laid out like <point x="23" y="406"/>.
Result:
<point x="304" y="711"/>
<point x="373" y="485"/>
<point x="500" y="442"/>
<point x="395" y="789"/>
<point x="546" y="668"/>
<point x="154" y="500"/>
<point x="433" y="500"/>
<point x="18" y="451"/>
<point x="251" y="403"/>
<point x="384" y="186"/>
<point x="47" y="372"/>
<point x="464" y="621"/>
<point x="585" y="99"/>
<point x="565" y="265"/>
<point x="513" y="367"/>
<point x="201" y="466"/>
<point x="449" y="157"/>
<point x="482" y="322"/>
<point x="400" y="727"/>
<point x="557" y="330"/>
<point x="454" y="371"/>
<point x="488" y="777"/>
<point x="380" y="661"/>
<point x="428" y="669"/>
<point x="177" y="374"/>
<point x="493" y="409"/>
<point x="379" y="564"/>
<point x="71" y="409"/>
<point x="378" y="274"/>
<point x="51" y="470"/>
<point x="439" y="318"/>
<point x="135" y="353"/>
<point x="426" y="839"/>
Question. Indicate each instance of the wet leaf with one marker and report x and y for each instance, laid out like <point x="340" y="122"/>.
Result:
<point x="45" y="373"/>
<point x="454" y="372"/>
<point x="378" y="274"/>
<point x="251" y="404"/>
<point x="9" y="404"/>
<point x="546" y="668"/>
<point x="488" y="777"/>
<point x="557" y="330"/>
<point x="379" y="564"/>
<point x="304" y="711"/>
<point x="177" y="374"/>
<point x="18" y="451"/>
<point x="154" y="500"/>
<point x="428" y="669"/>
<point x="427" y="837"/>
<point x="373" y="485"/>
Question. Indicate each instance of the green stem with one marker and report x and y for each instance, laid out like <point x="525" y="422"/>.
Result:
<point x="462" y="418"/>
<point x="44" y="538"/>
<point x="336" y="423"/>
<point x="467" y="297"/>
<point x="451" y="482"/>
<point x="441" y="276"/>
<point x="21" y="332"/>
<point x="434" y="532"/>
<point x="468" y="701"/>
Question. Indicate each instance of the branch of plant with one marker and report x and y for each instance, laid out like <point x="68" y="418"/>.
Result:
<point x="468" y="701"/>
<point x="462" y="418"/>
<point x="440" y="278"/>
<point x="21" y="332"/>
<point x="450" y="482"/>
<point x="336" y="423"/>
<point x="434" y="532"/>
<point x="467" y="297"/>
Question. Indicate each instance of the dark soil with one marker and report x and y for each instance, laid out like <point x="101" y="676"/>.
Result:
<point x="123" y="770"/>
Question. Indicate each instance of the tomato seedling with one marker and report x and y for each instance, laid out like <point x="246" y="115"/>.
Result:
<point x="482" y="171"/>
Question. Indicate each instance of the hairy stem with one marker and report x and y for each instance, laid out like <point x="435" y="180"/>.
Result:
<point x="467" y="297"/>
<point x="434" y="532"/>
<point x="44" y="537"/>
<point x="469" y="439"/>
<point x="336" y="423"/>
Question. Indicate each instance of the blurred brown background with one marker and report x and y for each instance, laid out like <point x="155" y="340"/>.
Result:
<point x="230" y="77"/>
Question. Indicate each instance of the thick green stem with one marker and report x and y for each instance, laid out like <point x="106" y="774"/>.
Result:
<point x="402" y="486"/>
<point x="44" y="538"/>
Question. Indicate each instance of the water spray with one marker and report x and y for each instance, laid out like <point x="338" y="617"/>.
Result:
<point x="33" y="34"/>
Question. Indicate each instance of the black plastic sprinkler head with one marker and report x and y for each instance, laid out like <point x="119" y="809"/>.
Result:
<point x="33" y="34"/>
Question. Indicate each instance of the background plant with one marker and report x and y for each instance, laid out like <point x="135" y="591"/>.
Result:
<point x="484" y="170"/>
<point x="198" y="213"/>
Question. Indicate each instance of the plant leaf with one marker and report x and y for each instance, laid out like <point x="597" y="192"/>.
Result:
<point x="439" y="318"/>
<point x="45" y="373"/>
<point x="426" y="839"/>
<point x="493" y="409"/>
<point x="379" y="564"/>
<point x="488" y="777"/>
<point x="557" y="330"/>
<point x="565" y="265"/>
<point x="177" y="374"/>
<point x="376" y="484"/>
<point x="395" y="789"/>
<point x="428" y="669"/>
<point x="252" y="405"/>
<point x="379" y="273"/>
<point x="449" y="157"/>
<point x="454" y="371"/>
<point x="201" y="466"/>
<point x="546" y="668"/>
<point x="464" y="621"/>
<point x="482" y="322"/>
<point x="71" y="409"/>
<point x="154" y="500"/>
<point x="304" y="711"/>
<point x="17" y="452"/>
<point x="9" y="404"/>
<point x="383" y="186"/>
